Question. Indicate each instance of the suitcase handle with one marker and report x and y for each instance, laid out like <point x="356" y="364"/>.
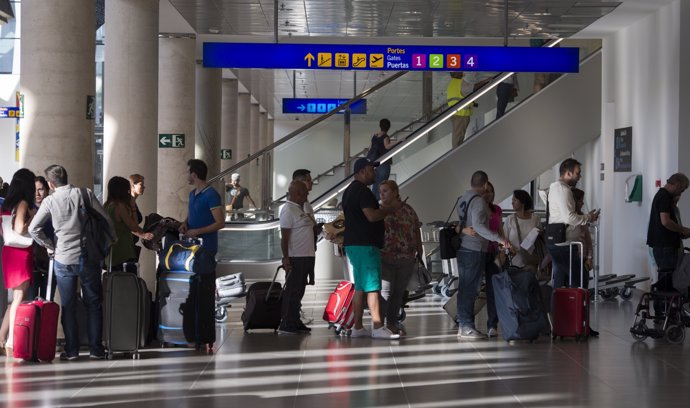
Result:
<point x="582" y="255"/>
<point x="275" y="276"/>
<point x="197" y="240"/>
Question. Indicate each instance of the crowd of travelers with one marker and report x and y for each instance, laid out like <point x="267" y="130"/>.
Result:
<point x="382" y="242"/>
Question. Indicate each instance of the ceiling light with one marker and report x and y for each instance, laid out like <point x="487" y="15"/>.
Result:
<point x="213" y="30"/>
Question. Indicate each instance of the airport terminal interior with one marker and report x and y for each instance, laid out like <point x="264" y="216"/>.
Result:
<point x="260" y="88"/>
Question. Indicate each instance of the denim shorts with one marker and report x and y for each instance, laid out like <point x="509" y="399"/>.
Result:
<point x="366" y="267"/>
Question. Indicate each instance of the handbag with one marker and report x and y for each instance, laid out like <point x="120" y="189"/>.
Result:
<point x="10" y="236"/>
<point x="555" y="233"/>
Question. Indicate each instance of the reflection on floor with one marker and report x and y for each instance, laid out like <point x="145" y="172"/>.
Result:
<point x="429" y="368"/>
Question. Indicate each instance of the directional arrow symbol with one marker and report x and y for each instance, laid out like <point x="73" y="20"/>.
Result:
<point x="301" y="108"/>
<point x="309" y="58"/>
<point x="165" y="141"/>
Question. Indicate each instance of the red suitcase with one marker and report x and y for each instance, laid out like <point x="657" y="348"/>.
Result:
<point x="571" y="306"/>
<point x="35" y="327"/>
<point x="339" y="313"/>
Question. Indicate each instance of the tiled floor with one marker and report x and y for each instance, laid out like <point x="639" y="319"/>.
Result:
<point x="429" y="368"/>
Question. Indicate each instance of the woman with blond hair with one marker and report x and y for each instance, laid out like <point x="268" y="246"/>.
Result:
<point x="402" y="246"/>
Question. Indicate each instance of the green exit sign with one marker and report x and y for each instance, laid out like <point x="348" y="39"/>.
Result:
<point x="171" y="140"/>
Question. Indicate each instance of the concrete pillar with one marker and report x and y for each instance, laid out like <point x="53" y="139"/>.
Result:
<point x="228" y="134"/>
<point x="58" y="83"/>
<point x="130" y="142"/>
<point x="243" y="134"/>
<point x="254" y="146"/>
<point x="176" y="97"/>
<point x="208" y="117"/>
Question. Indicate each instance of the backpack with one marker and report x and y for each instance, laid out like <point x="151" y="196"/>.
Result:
<point x="373" y="152"/>
<point x="96" y="238"/>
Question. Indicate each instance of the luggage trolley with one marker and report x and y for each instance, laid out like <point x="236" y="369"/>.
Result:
<point x="446" y="284"/>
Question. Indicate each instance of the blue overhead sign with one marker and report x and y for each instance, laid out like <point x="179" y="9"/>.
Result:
<point x="390" y="58"/>
<point x="321" y="106"/>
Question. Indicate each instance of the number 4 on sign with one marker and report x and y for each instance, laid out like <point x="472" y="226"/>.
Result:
<point x="471" y="61"/>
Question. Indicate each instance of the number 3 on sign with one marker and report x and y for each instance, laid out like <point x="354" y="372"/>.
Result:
<point x="471" y="62"/>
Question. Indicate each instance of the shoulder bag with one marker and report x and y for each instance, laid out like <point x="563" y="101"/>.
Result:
<point x="10" y="237"/>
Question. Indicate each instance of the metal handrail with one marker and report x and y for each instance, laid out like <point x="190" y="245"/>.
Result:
<point x="306" y="127"/>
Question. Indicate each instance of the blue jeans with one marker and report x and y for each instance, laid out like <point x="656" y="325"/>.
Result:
<point x="560" y="256"/>
<point x="382" y="173"/>
<point x="470" y="268"/>
<point x="90" y="277"/>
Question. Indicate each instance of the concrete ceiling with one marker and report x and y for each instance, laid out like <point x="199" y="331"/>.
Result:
<point x="479" y="22"/>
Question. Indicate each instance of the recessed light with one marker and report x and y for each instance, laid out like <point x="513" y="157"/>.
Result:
<point x="213" y="30"/>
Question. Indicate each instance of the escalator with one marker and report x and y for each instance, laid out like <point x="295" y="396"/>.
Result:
<point x="539" y="130"/>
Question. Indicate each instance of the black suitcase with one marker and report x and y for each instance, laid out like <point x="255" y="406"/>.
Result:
<point x="519" y="304"/>
<point x="264" y="301"/>
<point x="126" y="312"/>
<point x="186" y="303"/>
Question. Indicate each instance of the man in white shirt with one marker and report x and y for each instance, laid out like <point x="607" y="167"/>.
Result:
<point x="562" y="210"/>
<point x="297" y="244"/>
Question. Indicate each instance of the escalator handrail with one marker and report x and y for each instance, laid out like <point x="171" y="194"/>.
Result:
<point x="308" y="126"/>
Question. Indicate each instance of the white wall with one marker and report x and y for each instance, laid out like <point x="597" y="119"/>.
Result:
<point x="319" y="149"/>
<point x="640" y="88"/>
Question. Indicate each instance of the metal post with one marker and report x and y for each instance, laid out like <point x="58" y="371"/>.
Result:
<point x="427" y="94"/>
<point x="505" y="37"/>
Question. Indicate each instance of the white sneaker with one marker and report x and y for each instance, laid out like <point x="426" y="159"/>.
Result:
<point x="360" y="333"/>
<point x="492" y="332"/>
<point x="470" y="333"/>
<point x="384" y="333"/>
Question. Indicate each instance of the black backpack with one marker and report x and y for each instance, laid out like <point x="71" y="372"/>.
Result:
<point x="96" y="238"/>
<point x="373" y="152"/>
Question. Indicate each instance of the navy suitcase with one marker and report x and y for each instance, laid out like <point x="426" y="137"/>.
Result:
<point x="519" y="304"/>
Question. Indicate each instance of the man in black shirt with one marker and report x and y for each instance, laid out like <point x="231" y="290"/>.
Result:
<point x="665" y="234"/>
<point x="364" y="232"/>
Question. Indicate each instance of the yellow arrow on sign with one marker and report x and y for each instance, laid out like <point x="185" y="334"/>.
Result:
<point x="309" y="58"/>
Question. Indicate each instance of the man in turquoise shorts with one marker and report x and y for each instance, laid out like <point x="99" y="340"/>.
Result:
<point x="364" y="231"/>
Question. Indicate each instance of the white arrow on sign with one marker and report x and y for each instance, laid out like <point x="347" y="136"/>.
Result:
<point x="301" y="108"/>
<point x="165" y="141"/>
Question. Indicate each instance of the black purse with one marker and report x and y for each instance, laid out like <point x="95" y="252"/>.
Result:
<point x="555" y="233"/>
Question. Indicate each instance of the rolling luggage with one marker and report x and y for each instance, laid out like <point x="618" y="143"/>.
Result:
<point x="339" y="312"/>
<point x="126" y="312"/>
<point x="35" y="327"/>
<point x="519" y="304"/>
<point x="264" y="303"/>
<point x="451" y="306"/>
<point x="186" y="297"/>
<point x="186" y="303"/>
<point x="571" y="306"/>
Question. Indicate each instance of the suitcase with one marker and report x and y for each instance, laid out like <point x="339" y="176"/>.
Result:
<point x="571" y="306"/>
<point x="339" y="312"/>
<point x="230" y="280"/>
<point x="186" y="308"/>
<point x="264" y="303"/>
<point x="126" y="312"/>
<point x="35" y="327"/>
<point x="451" y="306"/>
<point x="234" y="291"/>
<point x="519" y="304"/>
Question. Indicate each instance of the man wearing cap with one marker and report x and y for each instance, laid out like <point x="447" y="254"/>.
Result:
<point x="234" y="196"/>
<point x="364" y="231"/>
